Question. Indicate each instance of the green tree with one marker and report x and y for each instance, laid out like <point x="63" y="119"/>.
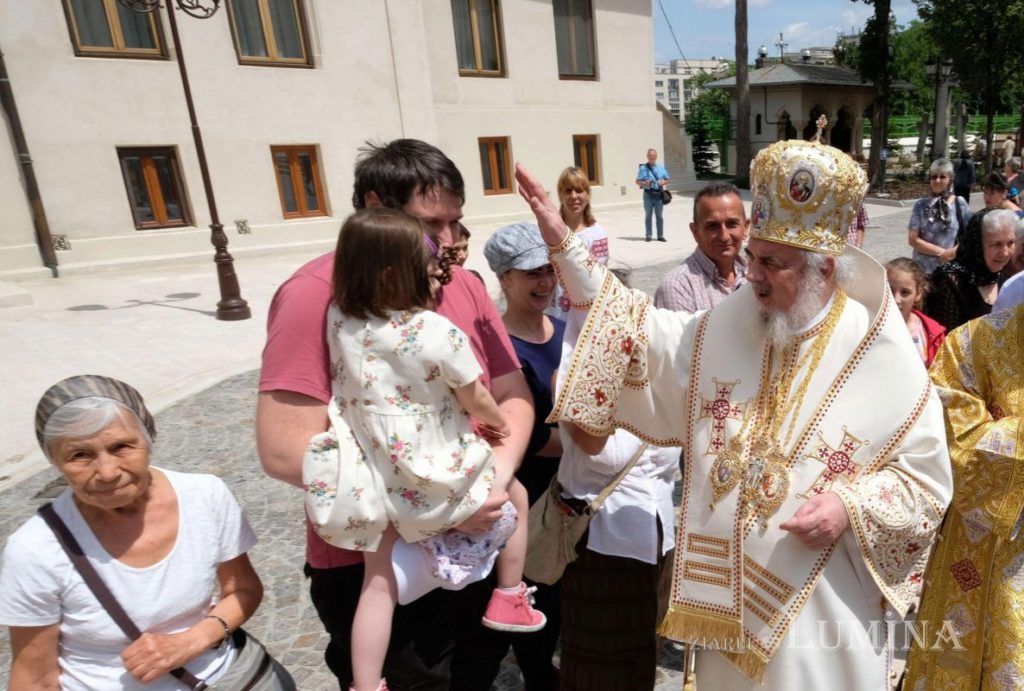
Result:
<point x="981" y="37"/>
<point x="873" y="58"/>
<point x="913" y="49"/>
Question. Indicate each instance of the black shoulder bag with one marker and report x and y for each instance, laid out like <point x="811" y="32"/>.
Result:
<point x="666" y="196"/>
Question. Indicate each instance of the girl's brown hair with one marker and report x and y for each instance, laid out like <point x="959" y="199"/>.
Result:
<point x="909" y="266"/>
<point x="575" y="179"/>
<point x="380" y="264"/>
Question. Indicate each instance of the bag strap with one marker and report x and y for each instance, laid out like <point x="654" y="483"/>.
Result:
<point x="101" y="591"/>
<point x="654" y="176"/>
<point x="599" y="500"/>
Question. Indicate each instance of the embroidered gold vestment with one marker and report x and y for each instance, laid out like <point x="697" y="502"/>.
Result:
<point x="976" y="578"/>
<point x="869" y="430"/>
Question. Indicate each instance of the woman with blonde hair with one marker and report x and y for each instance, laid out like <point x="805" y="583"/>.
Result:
<point x="574" y="195"/>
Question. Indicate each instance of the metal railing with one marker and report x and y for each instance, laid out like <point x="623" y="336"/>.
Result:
<point x="908" y="125"/>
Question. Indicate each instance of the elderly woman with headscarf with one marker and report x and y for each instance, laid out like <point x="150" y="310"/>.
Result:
<point x="966" y="288"/>
<point x="169" y="547"/>
<point x="937" y="220"/>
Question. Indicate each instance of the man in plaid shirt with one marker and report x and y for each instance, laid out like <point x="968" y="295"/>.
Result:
<point x="717" y="267"/>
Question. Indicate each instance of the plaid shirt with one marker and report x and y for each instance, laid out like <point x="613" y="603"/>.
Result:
<point x="695" y="284"/>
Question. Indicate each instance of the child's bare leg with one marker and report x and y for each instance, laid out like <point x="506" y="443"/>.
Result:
<point x="513" y="557"/>
<point x="371" y="627"/>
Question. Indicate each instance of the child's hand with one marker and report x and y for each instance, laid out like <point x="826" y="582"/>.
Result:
<point x="493" y="431"/>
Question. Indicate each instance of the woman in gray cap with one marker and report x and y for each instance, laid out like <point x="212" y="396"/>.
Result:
<point x="169" y="547"/>
<point x="519" y="257"/>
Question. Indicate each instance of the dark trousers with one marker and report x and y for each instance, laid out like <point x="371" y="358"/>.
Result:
<point x="478" y="660"/>
<point x="964" y="192"/>
<point x="425" y="634"/>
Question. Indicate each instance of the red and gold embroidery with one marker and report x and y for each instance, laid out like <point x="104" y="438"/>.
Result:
<point x="838" y="462"/>
<point x="720" y="409"/>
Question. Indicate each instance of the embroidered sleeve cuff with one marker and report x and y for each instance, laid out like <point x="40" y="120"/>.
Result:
<point x="578" y="272"/>
<point x="895" y="522"/>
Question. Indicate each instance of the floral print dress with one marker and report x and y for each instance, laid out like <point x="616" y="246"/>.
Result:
<point x="400" y="449"/>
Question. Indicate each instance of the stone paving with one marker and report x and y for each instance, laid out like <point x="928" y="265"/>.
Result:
<point x="212" y="432"/>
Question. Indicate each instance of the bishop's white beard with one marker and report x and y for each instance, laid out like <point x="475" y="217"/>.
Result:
<point x="782" y="327"/>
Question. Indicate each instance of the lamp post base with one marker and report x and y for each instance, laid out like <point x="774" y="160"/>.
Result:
<point x="231" y="306"/>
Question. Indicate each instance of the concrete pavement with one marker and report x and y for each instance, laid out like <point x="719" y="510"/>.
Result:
<point x="155" y="329"/>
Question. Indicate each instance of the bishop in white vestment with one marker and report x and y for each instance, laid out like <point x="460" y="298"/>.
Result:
<point x="816" y="470"/>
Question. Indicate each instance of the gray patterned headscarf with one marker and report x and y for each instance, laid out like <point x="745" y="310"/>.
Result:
<point x="86" y="386"/>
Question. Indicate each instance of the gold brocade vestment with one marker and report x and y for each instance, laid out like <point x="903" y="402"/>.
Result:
<point x="975" y="581"/>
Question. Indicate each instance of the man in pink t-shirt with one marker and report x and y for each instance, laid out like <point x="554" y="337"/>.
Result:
<point x="295" y="388"/>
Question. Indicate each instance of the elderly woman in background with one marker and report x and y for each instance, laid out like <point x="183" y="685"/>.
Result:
<point x="937" y="220"/>
<point x="574" y="195"/>
<point x="996" y="192"/>
<point x="966" y="288"/>
<point x="171" y="547"/>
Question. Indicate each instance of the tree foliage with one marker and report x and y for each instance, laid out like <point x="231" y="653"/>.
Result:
<point x="709" y="103"/>
<point x="982" y="38"/>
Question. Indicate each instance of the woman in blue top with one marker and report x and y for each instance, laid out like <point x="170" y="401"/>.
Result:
<point x="519" y="257"/>
<point x="651" y="178"/>
<point x="936" y="221"/>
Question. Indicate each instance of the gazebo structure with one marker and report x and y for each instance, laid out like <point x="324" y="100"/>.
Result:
<point x="786" y="100"/>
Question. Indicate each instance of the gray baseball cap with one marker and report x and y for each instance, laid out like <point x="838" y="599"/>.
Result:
<point x="516" y="246"/>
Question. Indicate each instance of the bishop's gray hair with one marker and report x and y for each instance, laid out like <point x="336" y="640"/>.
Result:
<point x="815" y="261"/>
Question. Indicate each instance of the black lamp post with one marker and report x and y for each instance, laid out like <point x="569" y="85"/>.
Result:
<point x="231" y="306"/>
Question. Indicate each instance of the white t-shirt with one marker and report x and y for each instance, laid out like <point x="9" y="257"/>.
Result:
<point x="627" y="524"/>
<point x="39" y="586"/>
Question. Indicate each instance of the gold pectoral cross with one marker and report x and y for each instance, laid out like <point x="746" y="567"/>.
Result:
<point x="763" y="471"/>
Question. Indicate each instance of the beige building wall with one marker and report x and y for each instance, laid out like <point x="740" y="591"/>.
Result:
<point x="381" y="69"/>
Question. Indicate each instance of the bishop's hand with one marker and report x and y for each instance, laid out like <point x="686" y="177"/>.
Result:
<point x="820" y="521"/>
<point x="552" y="227"/>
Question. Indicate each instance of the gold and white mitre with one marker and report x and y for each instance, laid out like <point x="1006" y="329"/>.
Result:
<point x="806" y="194"/>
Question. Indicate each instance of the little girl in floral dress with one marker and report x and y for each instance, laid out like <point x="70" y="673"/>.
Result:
<point x="401" y="459"/>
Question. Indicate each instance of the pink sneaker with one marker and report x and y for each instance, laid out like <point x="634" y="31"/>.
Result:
<point x="513" y="611"/>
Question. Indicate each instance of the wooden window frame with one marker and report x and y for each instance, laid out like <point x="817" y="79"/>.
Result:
<point x="270" y="41"/>
<point x="156" y="195"/>
<point x="578" y="147"/>
<point x="293" y="151"/>
<point x="572" y="47"/>
<point x="499" y="41"/>
<point x="506" y="144"/>
<point x="117" y="36"/>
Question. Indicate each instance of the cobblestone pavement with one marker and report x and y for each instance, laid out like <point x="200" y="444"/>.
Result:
<point x="213" y="432"/>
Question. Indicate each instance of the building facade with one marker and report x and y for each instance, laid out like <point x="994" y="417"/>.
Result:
<point x="674" y="82"/>
<point x="787" y="99"/>
<point x="285" y="93"/>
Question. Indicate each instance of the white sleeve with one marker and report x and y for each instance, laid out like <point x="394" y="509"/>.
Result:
<point x="33" y="569"/>
<point x="234" y="534"/>
<point x="454" y="356"/>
